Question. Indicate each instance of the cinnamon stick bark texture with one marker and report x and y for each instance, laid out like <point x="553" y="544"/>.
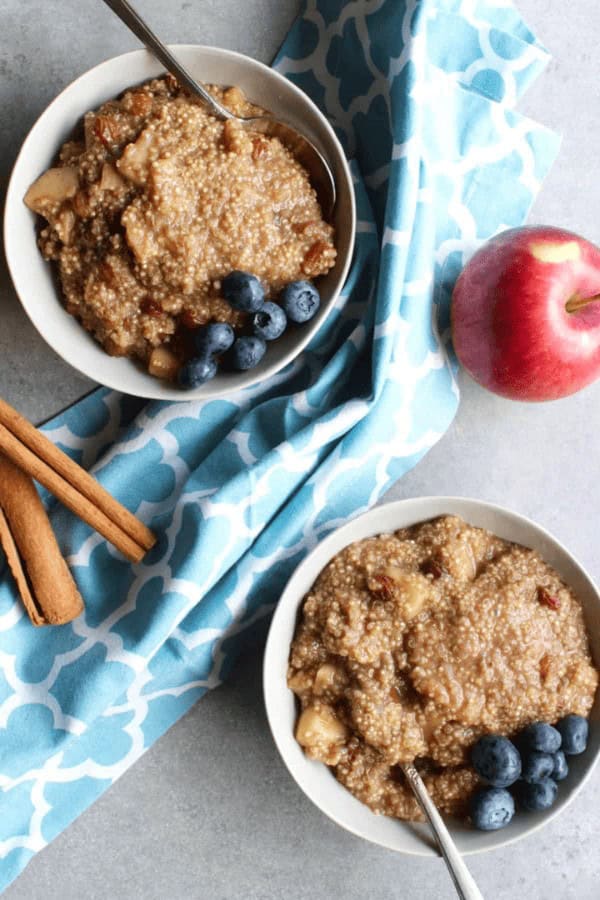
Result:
<point x="45" y="583"/>
<point x="31" y="451"/>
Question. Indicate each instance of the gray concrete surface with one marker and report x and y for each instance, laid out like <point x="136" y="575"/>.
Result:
<point x="210" y="812"/>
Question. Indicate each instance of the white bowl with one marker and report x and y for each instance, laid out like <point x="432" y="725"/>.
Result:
<point x="314" y="778"/>
<point x="33" y="277"/>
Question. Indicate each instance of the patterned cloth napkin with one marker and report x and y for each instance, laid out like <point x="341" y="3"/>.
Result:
<point x="238" y="490"/>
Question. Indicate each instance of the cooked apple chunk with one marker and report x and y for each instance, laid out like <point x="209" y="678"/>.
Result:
<point x="52" y="188"/>
<point x="163" y="364"/>
<point x="321" y="733"/>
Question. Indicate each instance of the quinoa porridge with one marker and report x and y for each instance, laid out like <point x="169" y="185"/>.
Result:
<point x="412" y="645"/>
<point x="156" y="202"/>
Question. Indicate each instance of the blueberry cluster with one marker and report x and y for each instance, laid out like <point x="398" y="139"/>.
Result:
<point x="532" y="765"/>
<point x="298" y="302"/>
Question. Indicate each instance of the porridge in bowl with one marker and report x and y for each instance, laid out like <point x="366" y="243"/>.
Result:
<point x="156" y="202"/>
<point x="411" y="646"/>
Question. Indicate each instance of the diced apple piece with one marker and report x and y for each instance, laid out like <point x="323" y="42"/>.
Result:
<point x="134" y="161"/>
<point x="319" y="727"/>
<point x="326" y="677"/>
<point x="413" y="590"/>
<point x="163" y="364"/>
<point x="395" y="573"/>
<point x="64" y="225"/>
<point x="300" y="681"/>
<point x="54" y="186"/>
<point x="139" y="237"/>
<point x="234" y="99"/>
<point x="110" y="180"/>
<point x="458" y="559"/>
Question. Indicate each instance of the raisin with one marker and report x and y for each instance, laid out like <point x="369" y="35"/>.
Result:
<point x="188" y="320"/>
<point x="140" y="103"/>
<point x="318" y="258"/>
<point x="301" y="227"/>
<point x="259" y="146"/>
<point x="106" y="273"/>
<point x="384" y="586"/>
<point x="151" y="307"/>
<point x="547" y="599"/>
<point x="432" y="567"/>
<point x="545" y="663"/>
<point x="81" y="204"/>
<point x="107" y="130"/>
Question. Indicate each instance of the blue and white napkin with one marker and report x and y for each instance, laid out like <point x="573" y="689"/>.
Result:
<point x="422" y="93"/>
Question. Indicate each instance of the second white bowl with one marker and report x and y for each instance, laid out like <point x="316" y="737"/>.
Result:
<point x="314" y="778"/>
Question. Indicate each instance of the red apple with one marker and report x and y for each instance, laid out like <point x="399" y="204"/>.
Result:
<point x="526" y="314"/>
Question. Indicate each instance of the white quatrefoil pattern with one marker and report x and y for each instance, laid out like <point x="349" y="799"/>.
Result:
<point x="422" y="94"/>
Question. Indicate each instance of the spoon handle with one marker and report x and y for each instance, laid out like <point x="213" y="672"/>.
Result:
<point x="463" y="880"/>
<point x="136" y="24"/>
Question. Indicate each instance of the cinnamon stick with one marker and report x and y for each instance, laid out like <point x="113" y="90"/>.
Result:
<point x="68" y="495"/>
<point x="43" y="579"/>
<point x="77" y="477"/>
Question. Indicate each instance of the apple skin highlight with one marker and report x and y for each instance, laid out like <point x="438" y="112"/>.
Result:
<point x="511" y="328"/>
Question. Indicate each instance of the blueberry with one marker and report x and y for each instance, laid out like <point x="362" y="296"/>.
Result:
<point x="196" y="371"/>
<point x="269" y="322"/>
<point x="243" y="291"/>
<point x="492" y="808"/>
<point x="537" y="766"/>
<point x="574" y="731"/>
<point x="540" y="736"/>
<point x="497" y="760"/>
<point x="214" y="338"/>
<point x="247" y="352"/>
<point x="538" y="795"/>
<point x="300" y="301"/>
<point x="561" y="768"/>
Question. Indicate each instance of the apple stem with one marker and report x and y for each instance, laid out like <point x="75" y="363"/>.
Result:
<point x="576" y="303"/>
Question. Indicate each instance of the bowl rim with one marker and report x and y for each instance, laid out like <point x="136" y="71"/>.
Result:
<point x="301" y="338"/>
<point x="335" y="541"/>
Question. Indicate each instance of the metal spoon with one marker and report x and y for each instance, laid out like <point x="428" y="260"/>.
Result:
<point x="305" y="152"/>
<point x="463" y="880"/>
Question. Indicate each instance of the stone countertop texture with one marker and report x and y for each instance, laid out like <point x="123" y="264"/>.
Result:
<point x="210" y="811"/>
